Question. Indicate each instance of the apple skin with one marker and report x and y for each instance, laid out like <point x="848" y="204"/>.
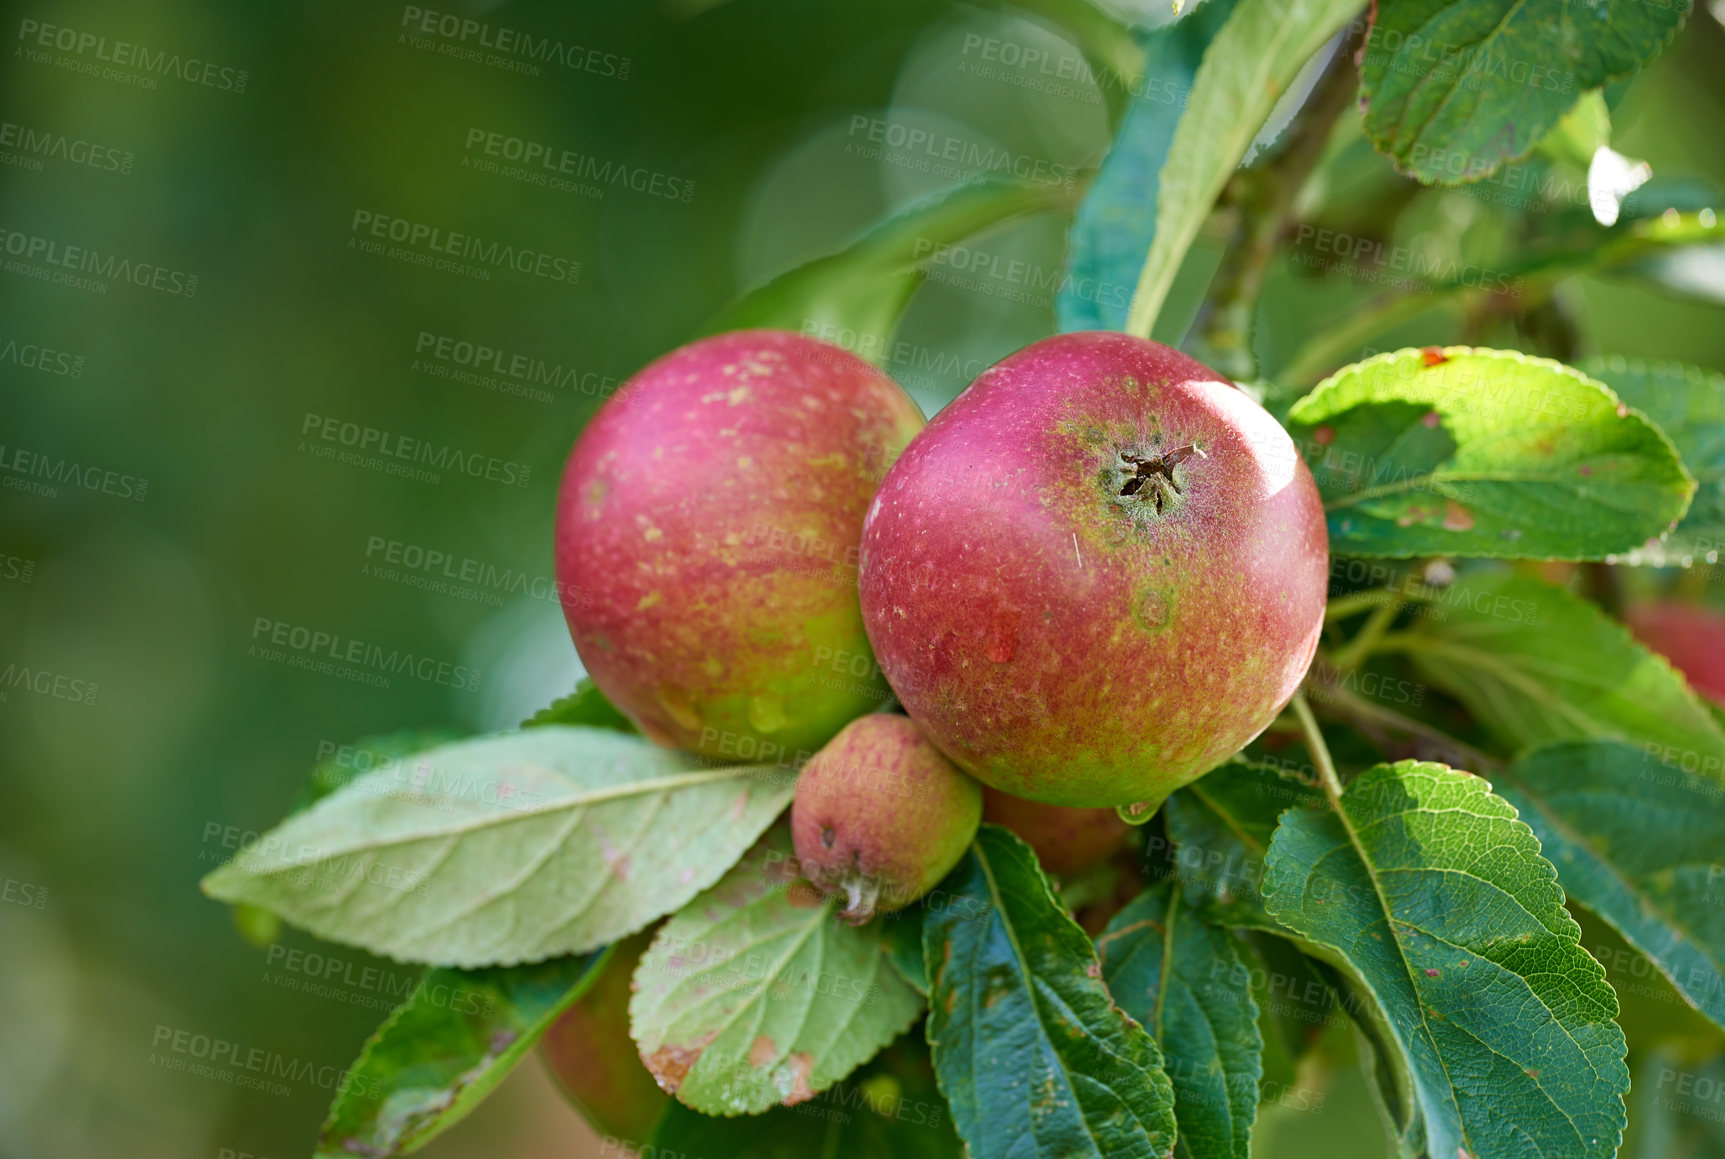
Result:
<point x="1067" y="841"/>
<point x="1691" y="637"/>
<point x="1076" y="627"/>
<point x="880" y="816"/>
<point x="594" y="1061"/>
<point x="706" y="542"/>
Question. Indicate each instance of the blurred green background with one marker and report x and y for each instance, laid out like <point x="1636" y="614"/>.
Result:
<point x="147" y="723"/>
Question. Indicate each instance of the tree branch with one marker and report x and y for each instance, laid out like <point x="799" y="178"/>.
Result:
<point x="1257" y="206"/>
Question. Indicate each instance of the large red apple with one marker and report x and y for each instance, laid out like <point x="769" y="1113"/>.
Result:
<point x="1097" y="574"/>
<point x="1691" y="637"/>
<point x="707" y="542"/>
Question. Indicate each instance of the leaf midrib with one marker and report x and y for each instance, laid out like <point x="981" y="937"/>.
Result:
<point x="1419" y="482"/>
<point x="1401" y="954"/>
<point x="364" y="842"/>
<point x="1022" y="961"/>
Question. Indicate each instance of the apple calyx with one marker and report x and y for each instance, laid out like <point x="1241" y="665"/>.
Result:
<point x="1146" y="482"/>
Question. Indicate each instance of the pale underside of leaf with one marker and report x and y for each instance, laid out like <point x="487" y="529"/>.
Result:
<point x="444" y="1050"/>
<point x="507" y="849"/>
<point x="755" y="994"/>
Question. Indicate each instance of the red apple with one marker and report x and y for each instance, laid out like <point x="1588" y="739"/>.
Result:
<point x="880" y="816"/>
<point x="1067" y="841"/>
<point x="1691" y="637"/>
<point x="593" y="1059"/>
<point x="707" y="542"/>
<point x="1097" y="574"/>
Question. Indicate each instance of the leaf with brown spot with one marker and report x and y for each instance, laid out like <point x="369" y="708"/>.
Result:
<point x="753" y="997"/>
<point x="1017" y="1008"/>
<point x="444" y="1049"/>
<point x="887" y="1109"/>
<point x="670" y="1064"/>
<point x="1500" y="474"/>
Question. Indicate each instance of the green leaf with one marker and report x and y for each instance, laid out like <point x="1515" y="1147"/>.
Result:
<point x="1688" y="403"/>
<point x="506" y="848"/>
<point x="1248" y="66"/>
<point x="337" y="768"/>
<point x="1579" y="133"/>
<point x="1297" y="1001"/>
<point x="889" y="1109"/>
<point x="1640" y="844"/>
<point x="863" y="290"/>
<point x="1454" y="88"/>
<point x="1112" y="231"/>
<point x="1220" y="825"/>
<point x="1535" y="663"/>
<point x="1032" y="1054"/>
<point x="756" y="994"/>
<point x="586" y="705"/>
<point x="1484" y="453"/>
<point x="901" y="940"/>
<point x="445" y="1049"/>
<point x="1426" y="890"/>
<point x="1179" y="976"/>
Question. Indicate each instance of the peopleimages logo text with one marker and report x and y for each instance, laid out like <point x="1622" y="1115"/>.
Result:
<point x="124" y="54"/>
<point x="52" y="146"/>
<point x="513" y="42"/>
<point x="341" y="650"/>
<point x="552" y="159"/>
<point x="30" y="247"/>
<point x="372" y="440"/>
<point x="437" y="240"/>
<point x="49" y="473"/>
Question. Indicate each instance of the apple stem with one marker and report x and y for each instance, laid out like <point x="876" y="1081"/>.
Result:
<point x="861" y="893"/>
<point x="1373" y="719"/>
<point x="1361" y="646"/>
<point x="1319" y="750"/>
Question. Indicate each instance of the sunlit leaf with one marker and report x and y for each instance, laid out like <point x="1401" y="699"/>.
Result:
<point x="1640" y="843"/>
<point x="1474" y="452"/>
<point x="1427" y="891"/>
